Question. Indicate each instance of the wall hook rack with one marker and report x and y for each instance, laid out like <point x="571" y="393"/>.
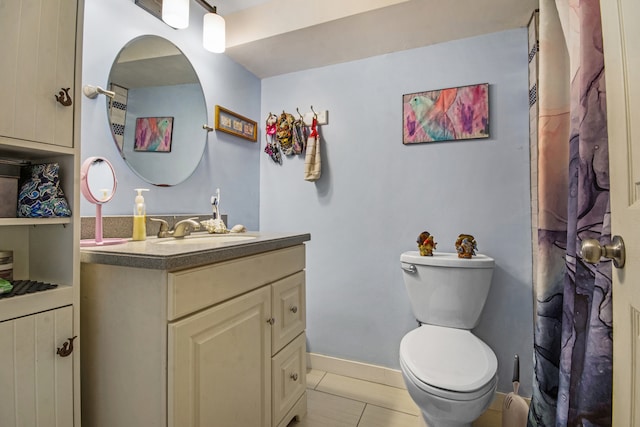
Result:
<point x="322" y="116"/>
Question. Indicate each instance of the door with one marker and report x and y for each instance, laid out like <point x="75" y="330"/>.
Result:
<point x="38" y="64"/>
<point x="621" y="33"/>
<point x="36" y="384"/>
<point x="220" y="365"/>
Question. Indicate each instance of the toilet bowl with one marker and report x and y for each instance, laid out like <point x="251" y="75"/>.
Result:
<point x="449" y="372"/>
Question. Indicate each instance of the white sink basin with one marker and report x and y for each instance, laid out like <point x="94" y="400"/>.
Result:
<point x="204" y="239"/>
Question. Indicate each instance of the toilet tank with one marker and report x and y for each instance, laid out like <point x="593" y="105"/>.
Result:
<point x="445" y="290"/>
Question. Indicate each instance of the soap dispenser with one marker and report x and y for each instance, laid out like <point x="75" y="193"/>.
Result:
<point x="139" y="216"/>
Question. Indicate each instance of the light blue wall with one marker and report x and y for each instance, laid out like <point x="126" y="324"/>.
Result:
<point x="230" y="163"/>
<point x="376" y="195"/>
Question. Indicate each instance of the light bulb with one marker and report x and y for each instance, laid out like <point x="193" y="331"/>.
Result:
<point x="176" y="13"/>
<point x="213" y="33"/>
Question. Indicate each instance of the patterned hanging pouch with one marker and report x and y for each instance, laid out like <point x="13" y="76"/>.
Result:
<point x="284" y="133"/>
<point x="272" y="145"/>
<point x="300" y="135"/>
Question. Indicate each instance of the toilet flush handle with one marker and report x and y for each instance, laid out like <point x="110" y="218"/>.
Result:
<point x="409" y="268"/>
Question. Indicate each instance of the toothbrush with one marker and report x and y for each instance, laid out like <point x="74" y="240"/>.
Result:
<point x="215" y="200"/>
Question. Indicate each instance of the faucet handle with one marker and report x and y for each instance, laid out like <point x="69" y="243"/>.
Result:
<point x="164" y="226"/>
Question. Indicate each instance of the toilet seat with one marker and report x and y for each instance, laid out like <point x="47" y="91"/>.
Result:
<point x="449" y="362"/>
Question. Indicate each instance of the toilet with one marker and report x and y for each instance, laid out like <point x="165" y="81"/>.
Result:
<point x="450" y="373"/>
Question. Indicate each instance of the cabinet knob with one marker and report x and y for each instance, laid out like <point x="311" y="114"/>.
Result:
<point x="294" y="376"/>
<point x="63" y="97"/>
<point x="271" y="321"/>
<point x="293" y="309"/>
<point x="67" y="347"/>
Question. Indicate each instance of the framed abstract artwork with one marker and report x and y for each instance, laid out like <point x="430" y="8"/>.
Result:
<point x="235" y="124"/>
<point x="446" y="114"/>
<point x="153" y="134"/>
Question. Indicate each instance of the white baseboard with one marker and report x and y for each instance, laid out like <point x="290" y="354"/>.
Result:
<point x="374" y="373"/>
<point x="359" y="370"/>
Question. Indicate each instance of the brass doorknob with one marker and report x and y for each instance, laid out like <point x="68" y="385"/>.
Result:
<point x="592" y="251"/>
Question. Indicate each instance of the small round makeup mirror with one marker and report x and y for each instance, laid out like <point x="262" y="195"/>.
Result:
<point x="98" y="185"/>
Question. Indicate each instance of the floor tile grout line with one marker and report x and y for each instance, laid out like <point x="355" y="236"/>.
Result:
<point x="324" y="373"/>
<point x="365" y="403"/>
<point x="380" y="383"/>
<point x="341" y="397"/>
<point x="393" y="410"/>
<point x="361" y="414"/>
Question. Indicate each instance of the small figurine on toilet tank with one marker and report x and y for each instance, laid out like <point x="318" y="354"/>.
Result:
<point x="426" y="244"/>
<point x="466" y="246"/>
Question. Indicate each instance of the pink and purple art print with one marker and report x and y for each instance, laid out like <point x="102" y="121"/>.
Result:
<point x="153" y="134"/>
<point x="446" y="114"/>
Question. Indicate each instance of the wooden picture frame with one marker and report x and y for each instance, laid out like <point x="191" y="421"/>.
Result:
<point x="234" y="124"/>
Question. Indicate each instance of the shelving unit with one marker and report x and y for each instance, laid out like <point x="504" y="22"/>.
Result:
<point x="42" y="57"/>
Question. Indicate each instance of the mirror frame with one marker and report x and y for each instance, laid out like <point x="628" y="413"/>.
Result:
<point x="85" y="187"/>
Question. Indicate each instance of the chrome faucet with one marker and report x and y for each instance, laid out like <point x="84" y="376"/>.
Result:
<point x="180" y="228"/>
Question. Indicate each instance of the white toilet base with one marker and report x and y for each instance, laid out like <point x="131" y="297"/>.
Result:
<point x="442" y="423"/>
<point x="439" y="412"/>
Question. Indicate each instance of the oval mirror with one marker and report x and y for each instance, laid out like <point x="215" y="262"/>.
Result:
<point x="157" y="112"/>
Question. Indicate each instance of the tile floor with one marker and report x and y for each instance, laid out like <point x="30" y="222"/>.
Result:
<point x="339" y="401"/>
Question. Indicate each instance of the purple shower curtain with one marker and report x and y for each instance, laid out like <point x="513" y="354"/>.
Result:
<point x="573" y="325"/>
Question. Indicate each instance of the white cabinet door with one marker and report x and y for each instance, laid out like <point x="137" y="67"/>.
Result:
<point x="36" y="384"/>
<point x="38" y="62"/>
<point x="220" y="366"/>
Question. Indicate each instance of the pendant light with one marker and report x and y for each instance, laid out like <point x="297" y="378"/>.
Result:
<point x="213" y="32"/>
<point x="176" y="13"/>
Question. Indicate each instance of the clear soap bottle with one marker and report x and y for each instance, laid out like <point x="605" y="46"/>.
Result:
<point x="139" y="216"/>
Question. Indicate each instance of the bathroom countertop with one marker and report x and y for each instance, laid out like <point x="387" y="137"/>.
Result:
<point x="152" y="255"/>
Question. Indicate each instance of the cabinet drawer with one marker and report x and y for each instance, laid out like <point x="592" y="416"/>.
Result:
<point x="289" y="311"/>
<point x="289" y="379"/>
<point x="197" y="288"/>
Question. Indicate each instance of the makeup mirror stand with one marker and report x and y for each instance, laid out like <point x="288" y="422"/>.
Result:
<point x="96" y="176"/>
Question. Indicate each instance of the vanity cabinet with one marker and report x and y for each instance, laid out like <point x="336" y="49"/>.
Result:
<point x="41" y="56"/>
<point x="221" y="344"/>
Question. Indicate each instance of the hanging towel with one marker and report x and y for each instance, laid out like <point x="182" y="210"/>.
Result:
<point x="312" y="161"/>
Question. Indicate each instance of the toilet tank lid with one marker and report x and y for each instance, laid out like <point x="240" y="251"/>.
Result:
<point x="444" y="259"/>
